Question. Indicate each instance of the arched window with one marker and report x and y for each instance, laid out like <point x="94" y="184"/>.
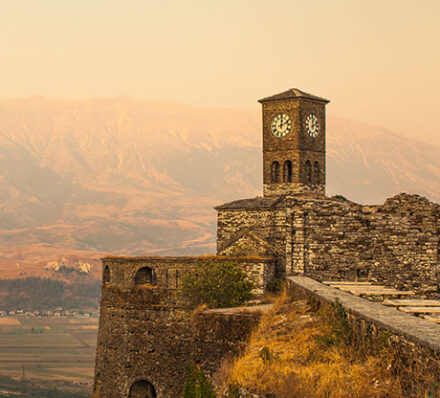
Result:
<point x="316" y="173"/>
<point x="142" y="389"/>
<point x="287" y="171"/>
<point x="275" y="172"/>
<point x="144" y="276"/>
<point x="106" y="275"/>
<point x="309" y="172"/>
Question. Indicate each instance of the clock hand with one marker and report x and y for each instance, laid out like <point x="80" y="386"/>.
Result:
<point x="279" y="125"/>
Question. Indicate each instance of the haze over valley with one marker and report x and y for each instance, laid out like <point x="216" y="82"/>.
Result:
<point x="82" y="178"/>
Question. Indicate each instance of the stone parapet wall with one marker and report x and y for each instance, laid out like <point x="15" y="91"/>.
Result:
<point x="167" y="273"/>
<point x="415" y="341"/>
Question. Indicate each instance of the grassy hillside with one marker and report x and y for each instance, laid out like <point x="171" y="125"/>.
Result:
<point x="297" y="352"/>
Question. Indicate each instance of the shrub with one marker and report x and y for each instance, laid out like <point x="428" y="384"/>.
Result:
<point x="197" y="384"/>
<point x="339" y="331"/>
<point x="219" y="285"/>
<point x="276" y="285"/>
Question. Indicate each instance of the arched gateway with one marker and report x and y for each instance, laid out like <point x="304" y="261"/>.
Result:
<point x="142" y="389"/>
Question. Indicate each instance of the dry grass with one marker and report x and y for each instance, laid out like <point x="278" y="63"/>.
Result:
<point x="289" y="356"/>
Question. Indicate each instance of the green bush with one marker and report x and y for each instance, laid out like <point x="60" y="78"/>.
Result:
<point x="197" y="384"/>
<point x="276" y="285"/>
<point x="218" y="285"/>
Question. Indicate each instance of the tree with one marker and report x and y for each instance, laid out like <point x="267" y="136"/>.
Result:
<point x="216" y="284"/>
<point x="197" y="384"/>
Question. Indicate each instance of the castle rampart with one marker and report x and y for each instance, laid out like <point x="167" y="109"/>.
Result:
<point x="147" y="336"/>
<point x="415" y="341"/>
<point x="396" y="243"/>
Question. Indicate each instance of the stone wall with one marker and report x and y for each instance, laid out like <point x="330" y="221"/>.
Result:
<point x="414" y="341"/>
<point x="168" y="271"/>
<point x="297" y="146"/>
<point x="253" y="231"/>
<point x="395" y="244"/>
<point x="146" y="334"/>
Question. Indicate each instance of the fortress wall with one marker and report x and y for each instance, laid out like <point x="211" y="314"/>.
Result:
<point x="415" y="342"/>
<point x="395" y="244"/>
<point x="168" y="271"/>
<point x="146" y="333"/>
<point x="253" y="231"/>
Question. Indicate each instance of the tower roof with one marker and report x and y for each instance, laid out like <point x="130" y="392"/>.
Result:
<point x="293" y="93"/>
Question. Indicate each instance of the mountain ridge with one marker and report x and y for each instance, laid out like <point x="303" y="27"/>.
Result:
<point x="126" y="176"/>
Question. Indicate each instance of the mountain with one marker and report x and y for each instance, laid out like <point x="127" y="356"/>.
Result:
<point x="81" y="178"/>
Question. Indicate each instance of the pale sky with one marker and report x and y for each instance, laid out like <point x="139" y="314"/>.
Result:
<point x="378" y="61"/>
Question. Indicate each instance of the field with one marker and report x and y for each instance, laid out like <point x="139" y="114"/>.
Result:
<point x="55" y="349"/>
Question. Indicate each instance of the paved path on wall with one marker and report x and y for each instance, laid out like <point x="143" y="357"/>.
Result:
<point x="415" y="329"/>
<point x="263" y="308"/>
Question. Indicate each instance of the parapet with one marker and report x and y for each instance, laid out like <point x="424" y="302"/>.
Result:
<point x="155" y="280"/>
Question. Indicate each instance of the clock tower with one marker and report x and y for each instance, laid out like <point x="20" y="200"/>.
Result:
<point x="293" y="143"/>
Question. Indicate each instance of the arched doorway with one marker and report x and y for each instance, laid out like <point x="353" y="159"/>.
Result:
<point x="142" y="389"/>
<point x="144" y="276"/>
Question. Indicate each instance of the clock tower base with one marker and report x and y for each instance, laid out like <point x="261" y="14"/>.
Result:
<point x="292" y="189"/>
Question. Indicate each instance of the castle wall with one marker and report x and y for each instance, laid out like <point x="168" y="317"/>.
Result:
<point x="395" y="244"/>
<point x="146" y="333"/>
<point x="253" y="231"/>
<point x="414" y="341"/>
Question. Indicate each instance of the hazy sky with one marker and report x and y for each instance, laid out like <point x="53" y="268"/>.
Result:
<point x="376" y="60"/>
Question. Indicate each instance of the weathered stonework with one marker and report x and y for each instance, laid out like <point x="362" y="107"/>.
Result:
<point x="415" y="341"/>
<point x="297" y="146"/>
<point x="147" y="337"/>
<point x="396" y="244"/>
<point x="147" y="334"/>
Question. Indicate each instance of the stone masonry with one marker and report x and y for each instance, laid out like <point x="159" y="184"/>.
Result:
<point x="147" y="336"/>
<point x="396" y="244"/>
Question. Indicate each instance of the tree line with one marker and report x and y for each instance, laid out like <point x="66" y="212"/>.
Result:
<point x="44" y="294"/>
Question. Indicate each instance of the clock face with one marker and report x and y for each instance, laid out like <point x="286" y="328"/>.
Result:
<point x="312" y="125"/>
<point x="281" y="125"/>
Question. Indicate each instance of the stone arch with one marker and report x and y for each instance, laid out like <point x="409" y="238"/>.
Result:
<point x="106" y="277"/>
<point x="316" y="173"/>
<point x="144" y="276"/>
<point x="142" y="389"/>
<point x="309" y="172"/>
<point x="275" y="172"/>
<point x="287" y="171"/>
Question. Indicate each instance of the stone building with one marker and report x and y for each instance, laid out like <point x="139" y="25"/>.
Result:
<point x="146" y="337"/>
